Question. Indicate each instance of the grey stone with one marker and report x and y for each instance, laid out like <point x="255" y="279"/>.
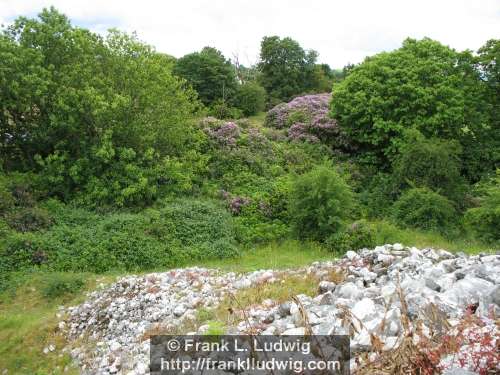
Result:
<point x="327" y="299"/>
<point x="348" y="290"/>
<point x="284" y="309"/>
<point x="326" y="286"/>
<point x="429" y="283"/>
<point x="467" y="291"/>
<point x="495" y="295"/>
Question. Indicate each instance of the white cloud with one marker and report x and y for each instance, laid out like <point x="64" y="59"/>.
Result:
<point x="341" y="31"/>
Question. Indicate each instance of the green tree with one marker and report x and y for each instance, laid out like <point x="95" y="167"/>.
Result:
<point x="424" y="85"/>
<point x="320" y="203"/>
<point x="209" y="73"/>
<point x="286" y="68"/>
<point x="99" y="115"/>
<point x="431" y="163"/>
<point x="250" y="98"/>
<point x="489" y="66"/>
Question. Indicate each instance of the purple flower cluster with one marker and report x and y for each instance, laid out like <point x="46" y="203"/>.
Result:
<point x="311" y="124"/>
<point x="223" y="133"/>
<point x="235" y="203"/>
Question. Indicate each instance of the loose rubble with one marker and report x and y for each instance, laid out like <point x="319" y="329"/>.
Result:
<point x="440" y="290"/>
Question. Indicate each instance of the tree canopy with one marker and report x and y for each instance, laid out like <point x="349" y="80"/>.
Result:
<point x="96" y="114"/>
<point x="209" y="73"/>
<point x="286" y="68"/>
<point x="423" y="85"/>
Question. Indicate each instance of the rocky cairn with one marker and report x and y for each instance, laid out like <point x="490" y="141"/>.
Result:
<point x="438" y="307"/>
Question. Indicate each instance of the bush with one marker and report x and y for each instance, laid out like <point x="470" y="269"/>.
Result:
<point x="224" y="111"/>
<point x="306" y="118"/>
<point x="29" y="219"/>
<point x="484" y="221"/>
<point x="58" y="285"/>
<point x="79" y="240"/>
<point x="378" y="194"/>
<point x="422" y="208"/>
<point x="320" y="203"/>
<point x="250" y="98"/>
<point x="358" y="236"/>
<point x="20" y="252"/>
<point x="201" y="227"/>
<point x="432" y="163"/>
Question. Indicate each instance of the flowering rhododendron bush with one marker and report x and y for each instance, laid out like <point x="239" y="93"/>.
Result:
<point x="306" y="118"/>
<point x="222" y="133"/>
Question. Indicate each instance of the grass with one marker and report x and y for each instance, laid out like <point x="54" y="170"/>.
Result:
<point x="277" y="255"/>
<point x="387" y="232"/>
<point x="258" y="119"/>
<point x="28" y="324"/>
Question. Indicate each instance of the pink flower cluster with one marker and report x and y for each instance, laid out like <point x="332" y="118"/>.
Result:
<point x="235" y="203"/>
<point x="223" y="133"/>
<point x="313" y="123"/>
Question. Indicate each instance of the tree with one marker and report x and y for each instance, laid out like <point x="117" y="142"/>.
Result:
<point x="250" y="98"/>
<point x="489" y="66"/>
<point x="424" y="85"/>
<point x="209" y="73"/>
<point x="286" y="69"/>
<point x="103" y="118"/>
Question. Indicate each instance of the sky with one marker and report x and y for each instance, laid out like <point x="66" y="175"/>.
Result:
<point x="341" y="32"/>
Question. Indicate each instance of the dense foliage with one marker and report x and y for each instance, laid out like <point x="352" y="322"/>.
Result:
<point x="250" y="98"/>
<point x="320" y="203"/>
<point x="103" y="119"/>
<point x="424" y="209"/>
<point x="286" y="68"/>
<point x="484" y="220"/>
<point x="109" y="163"/>
<point x="423" y="85"/>
<point x="209" y="73"/>
<point x="78" y="240"/>
<point x="431" y="163"/>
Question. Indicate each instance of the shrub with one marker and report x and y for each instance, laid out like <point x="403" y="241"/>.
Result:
<point x="378" y="194"/>
<point x="58" y="285"/>
<point x="223" y="134"/>
<point x="306" y="118"/>
<point x="359" y="235"/>
<point x="171" y="234"/>
<point x="432" y="163"/>
<point x="29" y="219"/>
<point x="223" y="111"/>
<point x="484" y="221"/>
<point x="320" y="203"/>
<point x="202" y="226"/>
<point x="422" y="208"/>
<point x="250" y="98"/>
<point x="6" y="200"/>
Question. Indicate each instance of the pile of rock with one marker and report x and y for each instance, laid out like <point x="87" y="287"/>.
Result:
<point x="381" y="290"/>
